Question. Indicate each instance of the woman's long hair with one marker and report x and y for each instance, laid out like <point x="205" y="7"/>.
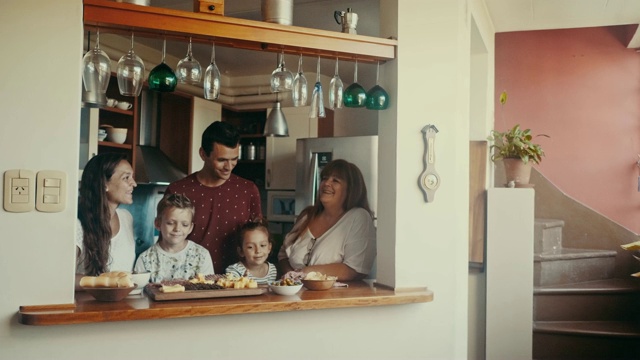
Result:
<point x="356" y="192"/>
<point x="93" y="211"/>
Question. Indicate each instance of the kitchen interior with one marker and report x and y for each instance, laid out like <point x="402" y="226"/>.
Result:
<point x="163" y="128"/>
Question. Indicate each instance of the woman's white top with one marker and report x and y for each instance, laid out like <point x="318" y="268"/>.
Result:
<point x="184" y="264"/>
<point x="351" y="241"/>
<point x="122" y="249"/>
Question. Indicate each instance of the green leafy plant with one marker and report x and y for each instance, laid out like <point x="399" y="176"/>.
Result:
<point x="515" y="143"/>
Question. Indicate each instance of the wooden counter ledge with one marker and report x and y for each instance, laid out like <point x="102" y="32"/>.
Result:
<point x="140" y="307"/>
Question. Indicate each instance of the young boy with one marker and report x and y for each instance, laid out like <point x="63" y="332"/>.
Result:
<point x="173" y="256"/>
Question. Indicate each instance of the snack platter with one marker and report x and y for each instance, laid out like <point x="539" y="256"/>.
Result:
<point x="157" y="295"/>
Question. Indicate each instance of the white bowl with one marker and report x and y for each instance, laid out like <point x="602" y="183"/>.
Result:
<point x="284" y="289"/>
<point x="141" y="280"/>
<point x="102" y="136"/>
<point x="117" y="135"/>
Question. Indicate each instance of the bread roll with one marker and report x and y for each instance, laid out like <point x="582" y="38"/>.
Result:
<point x="110" y="279"/>
<point x="88" y="281"/>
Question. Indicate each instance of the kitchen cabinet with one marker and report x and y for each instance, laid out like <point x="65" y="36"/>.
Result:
<point x="94" y="118"/>
<point x="250" y="125"/>
<point x="280" y="167"/>
<point x="88" y="136"/>
<point x="182" y="118"/>
<point x="204" y="113"/>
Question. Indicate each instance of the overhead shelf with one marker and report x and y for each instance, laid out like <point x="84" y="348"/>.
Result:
<point x="154" y="22"/>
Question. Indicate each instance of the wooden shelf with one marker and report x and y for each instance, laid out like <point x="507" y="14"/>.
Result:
<point x="115" y="145"/>
<point x="154" y="22"/>
<point x="119" y="111"/>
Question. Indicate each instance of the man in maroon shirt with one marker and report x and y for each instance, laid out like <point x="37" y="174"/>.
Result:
<point x="222" y="200"/>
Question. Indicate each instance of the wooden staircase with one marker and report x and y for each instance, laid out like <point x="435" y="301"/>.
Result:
<point x="581" y="311"/>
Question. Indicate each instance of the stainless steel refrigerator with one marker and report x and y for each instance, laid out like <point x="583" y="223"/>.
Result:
<point x="314" y="153"/>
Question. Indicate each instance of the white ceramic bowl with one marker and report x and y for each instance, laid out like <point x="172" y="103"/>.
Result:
<point x="117" y="135"/>
<point x="141" y="280"/>
<point x="284" y="289"/>
<point x="102" y="136"/>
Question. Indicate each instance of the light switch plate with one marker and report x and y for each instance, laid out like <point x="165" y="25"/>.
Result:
<point x="19" y="190"/>
<point x="51" y="193"/>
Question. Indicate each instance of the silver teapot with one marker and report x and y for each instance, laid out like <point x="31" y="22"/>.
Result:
<point x="348" y="20"/>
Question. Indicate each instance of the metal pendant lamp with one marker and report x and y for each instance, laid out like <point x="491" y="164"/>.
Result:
<point x="276" y="122"/>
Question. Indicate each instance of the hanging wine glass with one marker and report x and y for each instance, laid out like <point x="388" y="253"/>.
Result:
<point x="299" y="87"/>
<point x="377" y="97"/>
<point x="211" y="84"/>
<point x="189" y="70"/>
<point x="317" y="101"/>
<point x="162" y="78"/>
<point x="281" y="78"/>
<point x="354" y="95"/>
<point x="335" y="90"/>
<point x="96" y="72"/>
<point x="130" y="73"/>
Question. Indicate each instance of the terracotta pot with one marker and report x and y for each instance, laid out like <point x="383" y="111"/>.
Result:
<point x="517" y="171"/>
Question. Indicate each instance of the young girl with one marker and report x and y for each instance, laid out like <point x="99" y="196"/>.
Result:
<point x="254" y="245"/>
<point x="173" y="256"/>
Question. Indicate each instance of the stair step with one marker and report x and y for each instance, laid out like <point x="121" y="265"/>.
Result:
<point x="586" y="340"/>
<point x="615" y="329"/>
<point x="602" y="300"/>
<point x="566" y="266"/>
<point x="627" y="285"/>
<point x="547" y="235"/>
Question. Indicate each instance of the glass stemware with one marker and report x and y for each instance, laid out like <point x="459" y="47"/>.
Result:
<point x="189" y="70"/>
<point x="335" y="90"/>
<point x="130" y="73"/>
<point x="299" y="87"/>
<point x="97" y="70"/>
<point x="162" y="78"/>
<point x="354" y="95"/>
<point x="281" y="78"/>
<point x="317" y="101"/>
<point x="377" y="97"/>
<point x="211" y="84"/>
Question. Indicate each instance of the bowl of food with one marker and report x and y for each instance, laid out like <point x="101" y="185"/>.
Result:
<point x="285" y="287"/>
<point x="318" y="281"/>
<point x="141" y="280"/>
<point x="109" y="293"/>
<point x="318" y="284"/>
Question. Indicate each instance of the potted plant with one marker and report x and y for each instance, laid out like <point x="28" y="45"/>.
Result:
<point x="517" y="150"/>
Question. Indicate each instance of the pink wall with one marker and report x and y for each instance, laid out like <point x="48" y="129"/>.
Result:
<point x="582" y="88"/>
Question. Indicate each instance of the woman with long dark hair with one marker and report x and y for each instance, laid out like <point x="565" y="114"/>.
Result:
<point x="336" y="236"/>
<point x="104" y="234"/>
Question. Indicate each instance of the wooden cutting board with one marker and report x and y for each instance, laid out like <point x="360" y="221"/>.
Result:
<point x="155" y="293"/>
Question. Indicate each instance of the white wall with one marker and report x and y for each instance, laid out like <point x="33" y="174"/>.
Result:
<point x="420" y="244"/>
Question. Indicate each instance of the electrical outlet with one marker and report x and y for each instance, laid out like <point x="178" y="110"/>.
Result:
<point x="19" y="190"/>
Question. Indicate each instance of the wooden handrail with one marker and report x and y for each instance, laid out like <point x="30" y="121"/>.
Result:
<point x="154" y="22"/>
